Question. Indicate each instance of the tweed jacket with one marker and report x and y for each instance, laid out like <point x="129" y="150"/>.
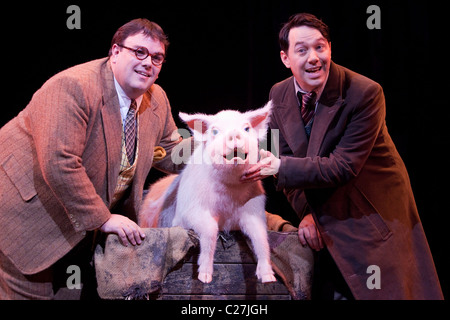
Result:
<point x="60" y="160"/>
<point x="351" y="177"/>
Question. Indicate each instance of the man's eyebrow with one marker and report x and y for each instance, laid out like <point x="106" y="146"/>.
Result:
<point x="158" y="52"/>
<point x="314" y="41"/>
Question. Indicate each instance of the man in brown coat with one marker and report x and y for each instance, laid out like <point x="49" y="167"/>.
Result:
<point x="342" y="174"/>
<point x="65" y="170"/>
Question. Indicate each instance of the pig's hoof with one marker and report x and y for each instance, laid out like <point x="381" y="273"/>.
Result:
<point x="268" y="278"/>
<point x="204" y="277"/>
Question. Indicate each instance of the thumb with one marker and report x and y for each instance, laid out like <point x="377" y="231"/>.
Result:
<point x="263" y="153"/>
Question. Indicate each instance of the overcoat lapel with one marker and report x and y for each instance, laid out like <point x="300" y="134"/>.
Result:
<point x="293" y="128"/>
<point x="327" y="107"/>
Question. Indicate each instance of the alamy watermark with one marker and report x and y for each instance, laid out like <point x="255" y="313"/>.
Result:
<point x="183" y="153"/>
<point x="74" y="20"/>
<point x="374" y="280"/>
<point x="74" y="280"/>
<point x="374" y="20"/>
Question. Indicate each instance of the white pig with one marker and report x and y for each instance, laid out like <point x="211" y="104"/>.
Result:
<point x="208" y="196"/>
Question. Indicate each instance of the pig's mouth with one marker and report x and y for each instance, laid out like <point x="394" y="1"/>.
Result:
<point x="236" y="153"/>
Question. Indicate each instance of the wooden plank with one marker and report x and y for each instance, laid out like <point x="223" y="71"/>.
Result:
<point x="227" y="279"/>
<point x="233" y="276"/>
<point x="230" y="248"/>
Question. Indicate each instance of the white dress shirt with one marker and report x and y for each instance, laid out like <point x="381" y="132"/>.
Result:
<point x="125" y="102"/>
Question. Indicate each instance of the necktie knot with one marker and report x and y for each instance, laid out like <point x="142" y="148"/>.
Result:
<point x="308" y="100"/>
<point x="133" y="107"/>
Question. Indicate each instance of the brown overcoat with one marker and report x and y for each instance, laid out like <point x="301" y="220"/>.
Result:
<point x="350" y="175"/>
<point x="60" y="160"/>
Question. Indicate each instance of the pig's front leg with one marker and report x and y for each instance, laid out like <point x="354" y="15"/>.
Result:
<point x="254" y="227"/>
<point x="207" y="233"/>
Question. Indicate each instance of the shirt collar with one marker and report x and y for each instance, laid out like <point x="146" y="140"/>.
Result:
<point x="124" y="100"/>
<point x="319" y="92"/>
<point x="298" y="89"/>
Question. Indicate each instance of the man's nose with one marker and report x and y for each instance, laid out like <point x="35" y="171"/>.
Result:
<point x="147" y="62"/>
<point x="313" y="58"/>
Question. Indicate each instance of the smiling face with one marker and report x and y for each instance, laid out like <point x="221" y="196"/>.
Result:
<point x="308" y="57"/>
<point x="133" y="75"/>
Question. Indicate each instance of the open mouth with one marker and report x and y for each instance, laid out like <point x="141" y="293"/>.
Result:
<point x="142" y="73"/>
<point x="236" y="153"/>
<point x="313" y="70"/>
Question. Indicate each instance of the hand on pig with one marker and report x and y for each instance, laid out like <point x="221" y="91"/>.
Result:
<point x="268" y="165"/>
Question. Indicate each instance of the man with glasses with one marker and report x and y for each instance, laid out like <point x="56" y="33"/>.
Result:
<point x="75" y="160"/>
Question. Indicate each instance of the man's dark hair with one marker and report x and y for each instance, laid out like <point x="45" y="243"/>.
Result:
<point x="301" y="19"/>
<point x="148" y="28"/>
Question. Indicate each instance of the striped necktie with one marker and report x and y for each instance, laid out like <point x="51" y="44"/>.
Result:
<point x="307" y="109"/>
<point x="130" y="131"/>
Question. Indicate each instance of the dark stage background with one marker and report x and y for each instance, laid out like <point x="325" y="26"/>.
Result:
<point x="225" y="54"/>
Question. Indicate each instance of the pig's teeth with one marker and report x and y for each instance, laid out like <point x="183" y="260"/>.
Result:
<point x="236" y="153"/>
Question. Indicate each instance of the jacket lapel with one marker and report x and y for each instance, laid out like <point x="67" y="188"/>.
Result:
<point x="148" y="127"/>
<point x="329" y="103"/>
<point x="293" y="128"/>
<point x="112" y="126"/>
<point x="148" y="132"/>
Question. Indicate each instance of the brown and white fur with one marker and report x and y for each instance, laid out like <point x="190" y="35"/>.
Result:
<point x="208" y="195"/>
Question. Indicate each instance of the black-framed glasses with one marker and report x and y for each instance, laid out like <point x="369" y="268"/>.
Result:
<point x="142" y="54"/>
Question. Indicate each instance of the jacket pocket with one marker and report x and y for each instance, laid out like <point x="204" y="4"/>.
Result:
<point x="369" y="212"/>
<point x="19" y="178"/>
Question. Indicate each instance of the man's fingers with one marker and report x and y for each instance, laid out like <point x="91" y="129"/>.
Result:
<point x="316" y="238"/>
<point x="252" y="174"/>
<point x="268" y="165"/>
<point x="127" y="230"/>
<point x="138" y="234"/>
<point x="301" y="237"/>
<point x="264" y="154"/>
<point x="123" y="237"/>
<point x="310" y="236"/>
<point x="134" y="234"/>
<point x="253" y="177"/>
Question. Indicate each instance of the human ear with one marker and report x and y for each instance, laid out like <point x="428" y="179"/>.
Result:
<point x="114" y="52"/>
<point x="285" y="59"/>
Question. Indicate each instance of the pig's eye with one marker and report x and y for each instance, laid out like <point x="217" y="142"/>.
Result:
<point x="215" y="132"/>
<point x="247" y="129"/>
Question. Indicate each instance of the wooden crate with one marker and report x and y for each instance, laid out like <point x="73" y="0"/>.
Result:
<point x="233" y="277"/>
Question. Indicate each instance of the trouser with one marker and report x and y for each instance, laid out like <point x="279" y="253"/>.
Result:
<point x="70" y="278"/>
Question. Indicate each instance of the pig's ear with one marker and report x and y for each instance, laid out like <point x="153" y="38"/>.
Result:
<point x="259" y="119"/>
<point x="198" y="123"/>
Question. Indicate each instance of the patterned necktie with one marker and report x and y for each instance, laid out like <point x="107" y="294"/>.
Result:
<point x="130" y="131"/>
<point x="307" y="109"/>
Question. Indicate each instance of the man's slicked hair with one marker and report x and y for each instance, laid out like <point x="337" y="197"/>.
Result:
<point x="301" y="19"/>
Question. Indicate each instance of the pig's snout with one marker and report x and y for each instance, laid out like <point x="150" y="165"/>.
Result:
<point x="235" y="139"/>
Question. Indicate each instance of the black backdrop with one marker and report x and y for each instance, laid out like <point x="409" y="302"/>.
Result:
<point x="225" y="54"/>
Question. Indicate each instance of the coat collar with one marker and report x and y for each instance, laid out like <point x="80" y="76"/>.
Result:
<point x="289" y="111"/>
<point x="330" y="101"/>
